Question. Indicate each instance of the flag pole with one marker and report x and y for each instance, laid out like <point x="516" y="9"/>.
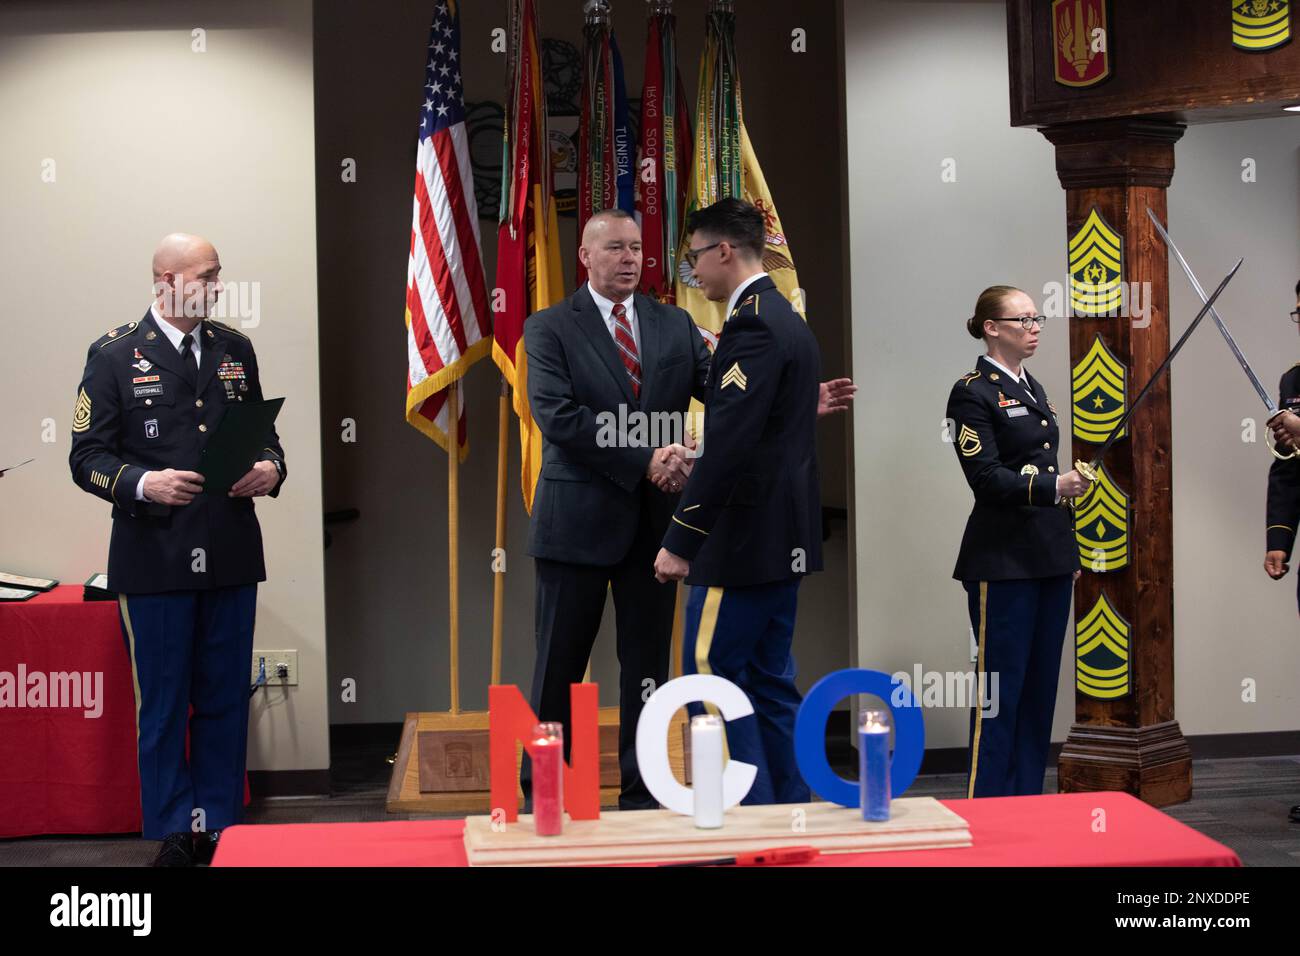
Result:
<point x="499" y="575"/>
<point x="453" y="537"/>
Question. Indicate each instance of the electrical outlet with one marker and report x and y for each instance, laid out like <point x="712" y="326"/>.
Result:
<point x="275" y="660"/>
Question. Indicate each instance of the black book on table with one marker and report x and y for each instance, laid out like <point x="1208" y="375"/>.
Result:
<point x="96" y="589"/>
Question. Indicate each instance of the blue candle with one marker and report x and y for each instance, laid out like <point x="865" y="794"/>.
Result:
<point x="873" y="764"/>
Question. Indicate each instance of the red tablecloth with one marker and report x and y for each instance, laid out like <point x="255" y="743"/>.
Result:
<point x="60" y="770"/>
<point x="1051" y="830"/>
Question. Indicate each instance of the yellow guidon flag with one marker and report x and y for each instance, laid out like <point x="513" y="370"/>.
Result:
<point x="724" y="166"/>
<point x="1260" y="25"/>
<point x="1101" y="654"/>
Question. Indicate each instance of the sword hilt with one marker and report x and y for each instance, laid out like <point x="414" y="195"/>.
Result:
<point x="1089" y="471"/>
<point x="1272" y="448"/>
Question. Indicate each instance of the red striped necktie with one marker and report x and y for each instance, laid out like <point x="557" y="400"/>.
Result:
<point x="626" y="343"/>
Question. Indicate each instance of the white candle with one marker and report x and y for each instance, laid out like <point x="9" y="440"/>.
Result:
<point x="706" y="770"/>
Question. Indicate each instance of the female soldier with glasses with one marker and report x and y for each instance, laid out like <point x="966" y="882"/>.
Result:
<point x="1018" y="557"/>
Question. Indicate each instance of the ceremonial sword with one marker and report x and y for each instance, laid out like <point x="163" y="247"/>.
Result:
<point x="1273" y="410"/>
<point x="1089" y="468"/>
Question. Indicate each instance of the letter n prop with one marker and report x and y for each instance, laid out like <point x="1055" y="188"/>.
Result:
<point x="511" y="721"/>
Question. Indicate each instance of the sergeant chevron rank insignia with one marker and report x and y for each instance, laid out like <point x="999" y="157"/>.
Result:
<point x="968" y="442"/>
<point x="81" y="413"/>
<point x="1101" y="522"/>
<point x="1260" y="25"/>
<point x="1101" y="657"/>
<point x="1099" y="392"/>
<point x="734" y="376"/>
<point x="1096" y="267"/>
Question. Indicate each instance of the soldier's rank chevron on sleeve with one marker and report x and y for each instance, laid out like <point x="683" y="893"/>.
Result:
<point x="1099" y="393"/>
<point x="81" y="414"/>
<point x="1101" y="654"/>
<point x="968" y="441"/>
<point x="1096" y="267"/>
<point x="734" y="376"/>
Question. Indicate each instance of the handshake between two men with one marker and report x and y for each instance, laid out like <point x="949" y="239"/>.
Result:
<point x="671" y="465"/>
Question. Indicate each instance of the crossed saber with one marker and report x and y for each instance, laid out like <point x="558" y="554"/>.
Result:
<point x="1089" y="468"/>
<point x="1273" y="410"/>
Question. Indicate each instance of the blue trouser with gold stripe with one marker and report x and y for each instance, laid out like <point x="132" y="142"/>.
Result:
<point x="744" y="635"/>
<point x="191" y="648"/>
<point x="1020" y="627"/>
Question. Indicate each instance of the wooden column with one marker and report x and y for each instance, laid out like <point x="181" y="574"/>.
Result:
<point x="1131" y="742"/>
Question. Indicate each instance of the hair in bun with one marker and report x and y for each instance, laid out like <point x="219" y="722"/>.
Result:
<point x="988" y="306"/>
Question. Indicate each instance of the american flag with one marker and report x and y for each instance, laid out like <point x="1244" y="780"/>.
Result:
<point x="448" y="327"/>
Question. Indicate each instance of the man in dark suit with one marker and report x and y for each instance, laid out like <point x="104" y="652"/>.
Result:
<point x="184" y="562"/>
<point x="748" y="524"/>
<point x="605" y="494"/>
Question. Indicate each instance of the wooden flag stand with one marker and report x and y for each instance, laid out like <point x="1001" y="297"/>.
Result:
<point x="443" y="758"/>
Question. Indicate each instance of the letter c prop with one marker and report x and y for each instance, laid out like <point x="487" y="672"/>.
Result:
<point x="652" y="739"/>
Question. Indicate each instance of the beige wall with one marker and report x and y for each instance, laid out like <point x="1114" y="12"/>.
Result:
<point x="150" y="137"/>
<point x="927" y="82"/>
<point x="387" y="593"/>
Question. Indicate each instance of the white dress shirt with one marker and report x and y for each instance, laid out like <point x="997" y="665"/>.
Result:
<point x="176" y="337"/>
<point x="606" y="307"/>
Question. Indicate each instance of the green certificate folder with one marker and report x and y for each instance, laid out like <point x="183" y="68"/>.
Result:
<point x="237" y="442"/>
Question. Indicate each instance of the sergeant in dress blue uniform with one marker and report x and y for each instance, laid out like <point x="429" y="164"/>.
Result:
<point x="748" y="524"/>
<point x="184" y="563"/>
<point x="1018" y="556"/>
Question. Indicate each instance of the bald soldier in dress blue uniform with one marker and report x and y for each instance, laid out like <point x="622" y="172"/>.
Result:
<point x="184" y="563"/>
<point x="1019" y="557"/>
<point x="748" y="525"/>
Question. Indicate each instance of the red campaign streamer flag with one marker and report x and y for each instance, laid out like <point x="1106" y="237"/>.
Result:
<point x="649" y="179"/>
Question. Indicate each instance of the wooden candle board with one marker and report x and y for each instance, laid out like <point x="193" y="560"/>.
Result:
<point x="645" y="836"/>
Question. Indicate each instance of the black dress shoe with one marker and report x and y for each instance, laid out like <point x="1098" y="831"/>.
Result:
<point x="177" y="850"/>
<point x="205" y="845"/>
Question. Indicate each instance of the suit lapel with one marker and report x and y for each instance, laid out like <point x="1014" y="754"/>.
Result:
<point x="647" y="320"/>
<point x="588" y="319"/>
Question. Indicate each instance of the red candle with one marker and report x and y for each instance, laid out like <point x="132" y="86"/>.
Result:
<point x="547" y="752"/>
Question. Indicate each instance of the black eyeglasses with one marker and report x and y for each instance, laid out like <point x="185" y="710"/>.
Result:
<point x="1026" y="321"/>
<point x="693" y="255"/>
<point x="1295" y="315"/>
